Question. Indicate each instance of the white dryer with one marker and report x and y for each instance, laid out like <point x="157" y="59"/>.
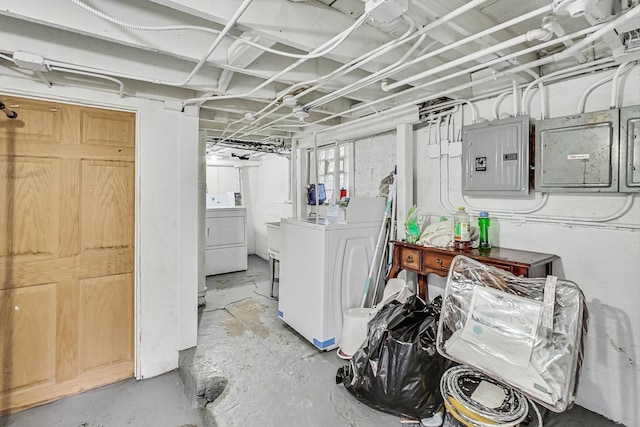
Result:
<point x="225" y="239"/>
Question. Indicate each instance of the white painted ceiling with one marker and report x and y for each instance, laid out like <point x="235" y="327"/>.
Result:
<point x="243" y="87"/>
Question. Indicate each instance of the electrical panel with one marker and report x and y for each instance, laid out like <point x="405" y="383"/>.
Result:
<point x="578" y="153"/>
<point x="630" y="149"/>
<point x="495" y="158"/>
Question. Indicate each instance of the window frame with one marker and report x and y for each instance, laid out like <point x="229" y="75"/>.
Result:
<point x="314" y="174"/>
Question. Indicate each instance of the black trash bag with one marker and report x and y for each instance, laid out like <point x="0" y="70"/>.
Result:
<point x="397" y="370"/>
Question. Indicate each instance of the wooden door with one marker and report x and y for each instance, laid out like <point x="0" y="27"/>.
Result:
<point x="67" y="194"/>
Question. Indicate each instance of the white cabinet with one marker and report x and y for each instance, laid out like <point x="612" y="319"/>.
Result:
<point x="225" y="240"/>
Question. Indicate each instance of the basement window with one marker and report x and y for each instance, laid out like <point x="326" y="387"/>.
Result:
<point x="333" y="168"/>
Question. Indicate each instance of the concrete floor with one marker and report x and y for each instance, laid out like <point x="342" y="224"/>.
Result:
<point x="249" y="369"/>
<point x="155" y="402"/>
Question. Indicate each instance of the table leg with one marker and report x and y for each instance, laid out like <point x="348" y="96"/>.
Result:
<point x="423" y="289"/>
<point x="395" y="267"/>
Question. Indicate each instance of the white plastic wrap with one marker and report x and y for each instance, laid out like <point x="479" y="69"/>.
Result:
<point x="527" y="333"/>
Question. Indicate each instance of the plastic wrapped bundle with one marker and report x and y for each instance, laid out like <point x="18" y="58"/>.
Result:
<point x="527" y="333"/>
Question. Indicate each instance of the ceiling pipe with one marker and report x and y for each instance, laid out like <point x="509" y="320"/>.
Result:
<point x="605" y="29"/>
<point x="347" y="89"/>
<point x="366" y="58"/>
<point x="537" y="34"/>
<point x="245" y="4"/>
<point x="596" y="31"/>
<point x="339" y="38"/>
<point x="438" y="22"/>
<point x="86" y="73"/>
<point x="599" y="30"/>
<point x="550" y="23"/>
<point x="444" y="19"/>
<point x="469" y="39"/>
<point x="448" y="77"/>
<point x="344" y="69"/>
<point x="423" y="30"/>
<point x="138" y="27"/>
<point x="341" y="71"/>
<point x="221" y="35"/>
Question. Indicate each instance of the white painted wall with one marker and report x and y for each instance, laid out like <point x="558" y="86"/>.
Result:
<point x="166" y="220"/>
<point x="603" y="260"/>
<point x="221" y="179"/>
<point x="269" y="197"/>
<point x="374" y="159"/>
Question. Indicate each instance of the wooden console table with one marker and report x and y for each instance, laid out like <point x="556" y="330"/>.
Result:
<point x="424" y="260"/>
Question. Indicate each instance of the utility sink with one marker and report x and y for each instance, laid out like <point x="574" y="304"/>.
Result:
<point x="273" y="238"/>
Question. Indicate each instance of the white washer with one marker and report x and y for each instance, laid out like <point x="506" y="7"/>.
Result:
<point x="323" y="269"/>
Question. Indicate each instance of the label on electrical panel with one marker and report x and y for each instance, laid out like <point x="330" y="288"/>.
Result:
<point x="549" y="301"/>
<point x="578" y="156"/>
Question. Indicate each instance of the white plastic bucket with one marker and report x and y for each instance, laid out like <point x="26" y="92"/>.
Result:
<point x="354" y="330"/>
<point x="354" y="320"/>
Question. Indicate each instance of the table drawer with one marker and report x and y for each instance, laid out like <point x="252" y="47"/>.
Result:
<point x="410" y="259"/>
<point x="438" y="262"/>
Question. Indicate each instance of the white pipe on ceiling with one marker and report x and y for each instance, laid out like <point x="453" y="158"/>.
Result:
<point x="245" y="4"/>
<point x="392" y="44"/>
<point x="496" y="75"/>
<point x="537" y="34"/>
<point x="340" y="37"/>
<point x="596" y="30"/>
<point x="334" y="94"/>
<point x="491" y="49"/>
<point x="86" y="73"/>
<point x="390" y="70"/>
<point x="139" y="27"/>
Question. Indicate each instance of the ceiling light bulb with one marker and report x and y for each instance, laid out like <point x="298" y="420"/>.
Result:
<point x="300" y="113"/>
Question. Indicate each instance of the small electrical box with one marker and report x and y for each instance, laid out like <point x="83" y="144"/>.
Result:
<point x="630" y="149"/>
<point x="495" y="158"/>
<point x="578" y="153"/>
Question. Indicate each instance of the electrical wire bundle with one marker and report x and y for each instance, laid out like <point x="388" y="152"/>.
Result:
<point x="458" y="385"/>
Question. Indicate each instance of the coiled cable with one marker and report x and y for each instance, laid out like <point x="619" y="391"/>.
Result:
<point x="458" y="384"/>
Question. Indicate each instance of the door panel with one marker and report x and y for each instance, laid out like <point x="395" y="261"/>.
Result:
<point x="67" y="202"/>
<point x="107" y="129"/>
<point x="31" y="312"/>
<point x="106" y="311"/>
<point x="108" y="197"/>
<point x="29" y="199"/>
<point x="37" y="122"/>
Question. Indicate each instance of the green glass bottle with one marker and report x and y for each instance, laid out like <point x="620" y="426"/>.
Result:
<point x="483" y="225"/>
